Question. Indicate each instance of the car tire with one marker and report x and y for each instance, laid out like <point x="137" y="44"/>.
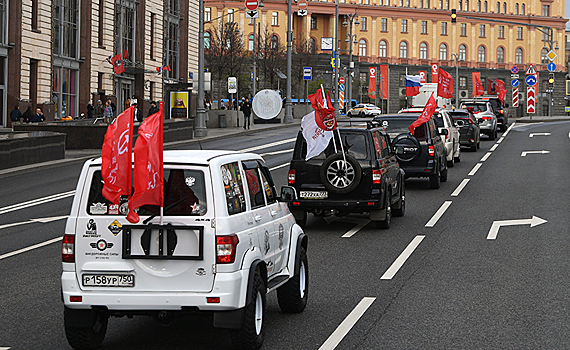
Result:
<point x="400" y="205"/>
<point x="474" y="147"/>
<point x="88" y="337"/>
<point x="479" y="142"/>
<point x="337" y="179"/>
<point x="493" y="135"/>
<point x="252" y="331"/>
<point x="434" y="180"/>
<point x="443" y="175"/>
<point x="300" y="217"/>
<point x="458" y="158"/>
<point x="292" y="296"/>
<point x="451" y="163"/>
<point x="385" y="224"/>
<point x="349" y="115"/>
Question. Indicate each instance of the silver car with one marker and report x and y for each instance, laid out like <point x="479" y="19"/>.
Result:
<point x="485" y="115"/>
<point x="450" y="136"/>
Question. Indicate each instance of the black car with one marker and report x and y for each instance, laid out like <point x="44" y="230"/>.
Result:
<point x="365" y="178"/>
<point x="422" y="154"/>
<point x="469" y="131"/>
<point x="501" y="111"/>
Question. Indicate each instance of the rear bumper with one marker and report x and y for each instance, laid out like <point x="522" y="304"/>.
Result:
<point x="352" y="206"/>
<point x="416" y="171"/>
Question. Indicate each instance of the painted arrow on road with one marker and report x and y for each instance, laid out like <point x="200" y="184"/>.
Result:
<point x="539" y="134"/>
<point x="535" y="221"/>
<point x="524" y="153"/>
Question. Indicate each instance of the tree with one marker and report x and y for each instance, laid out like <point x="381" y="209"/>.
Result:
<point x="271" y="56"/>
<point x="304" y="55"/>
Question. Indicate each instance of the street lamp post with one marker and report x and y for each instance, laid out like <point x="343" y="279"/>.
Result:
<point x="200" y="127"/>
<point x="350" y="38"/>
<point x="455" y="56"/>
<point x="288" y="107"/>
<point x="337" y="58"/>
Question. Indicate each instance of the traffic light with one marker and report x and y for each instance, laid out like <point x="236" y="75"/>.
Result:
<point x="551" y="79"/>
<point x="453" y="16"/>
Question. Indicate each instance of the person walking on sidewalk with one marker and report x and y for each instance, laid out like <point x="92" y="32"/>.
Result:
<point x="16" y="114"/>
<point x="246" y="109"/>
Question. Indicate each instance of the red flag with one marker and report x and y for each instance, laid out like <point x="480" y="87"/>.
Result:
<point x="372" y="82"/>
<point x="501" y="89"/>
<point x="324" y="116"/>
<point x="426" y="114"/>
<point x="117" y="63"/>
<point x="491" y="87"/>
<point x="116" y="158"/>
<point x="477" y="86"/>
<point x="167" y="68"/>
<point x="148" y="168"/>
<point x="445" y="84"/>
<point x="125" y="54"/>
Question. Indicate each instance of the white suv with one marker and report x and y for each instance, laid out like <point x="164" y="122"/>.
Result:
<point x="225" y="240"/>
<point x="450" y="132"/>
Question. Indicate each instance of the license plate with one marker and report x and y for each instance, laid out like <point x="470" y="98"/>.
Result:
<point x="108" y="280"/>
<point x="314" y="194"/>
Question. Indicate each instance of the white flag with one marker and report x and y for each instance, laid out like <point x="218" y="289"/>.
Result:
<point x="317" y="138"/>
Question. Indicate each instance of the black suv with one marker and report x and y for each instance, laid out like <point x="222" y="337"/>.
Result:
<point x="365" y="178"/>
<point x="501" y="110"/>
<point x="422" y="154"/>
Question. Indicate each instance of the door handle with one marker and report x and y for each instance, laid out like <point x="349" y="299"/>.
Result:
<point x="257" y="218"/>
<point x="273" y="212"/>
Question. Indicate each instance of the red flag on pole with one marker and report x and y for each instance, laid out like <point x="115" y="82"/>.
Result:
<point x="426" y="114"/>
<point x="501" y="89"/>
<point x="491" y="90"/>
<point x="372" y="82"/>
<point x="477" y="85"/>
<point x="445" y="84"/>
<point x="117" y="62"/>
<point x="116" y="157"/>
<point x="148" y="168"/>
<point x="324" y="111"/>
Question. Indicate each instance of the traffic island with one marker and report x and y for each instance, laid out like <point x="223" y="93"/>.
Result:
<point x="23" y="148"/>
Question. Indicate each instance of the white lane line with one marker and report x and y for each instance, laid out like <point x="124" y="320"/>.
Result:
<point x="279" y="166"/>
<point x="460" y="188"/>
<point x="438" y="214"/>
<point x="356" y="228"/>
<point x="399" y="262"/>
<point x="494" y="147"/>
<point x="475" y="168"/>
<point x="486" y="156"/>
<point x="342" y="330"/>
<point x="32" y="247"/>
<point x="500" y="139"/>
<point x="277" y="143"/>
<point x="277" y="152"/>
<point x="5" y="348"/>
<point x="509" y="129"/>
<point x="38" y="201"/>
<point x="31" y="221"/>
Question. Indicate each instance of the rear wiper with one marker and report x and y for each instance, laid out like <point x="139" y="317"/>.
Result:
<point x="166" y="209"/>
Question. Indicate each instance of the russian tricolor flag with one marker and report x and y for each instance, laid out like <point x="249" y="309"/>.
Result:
<point x="413" y="85"/>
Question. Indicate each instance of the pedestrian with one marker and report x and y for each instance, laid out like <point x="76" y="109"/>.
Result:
<point x="246" y="109"/>
<point x="138" y="117"/>
<point x="99" y="109"/>
<point x="223" y="104"/>
<point x="28" y="115"/>
<point x="108" y="113"/>
<point x="38" y="117"/>
<point x="112" y="106"/>
<point x="235" y="104"/>
<point x="90" y="109"/>
<point x="153" y="109"/>
<point x="208" y="103"/>
<point x="16" y="114"/>
<point x="127" y="104"/>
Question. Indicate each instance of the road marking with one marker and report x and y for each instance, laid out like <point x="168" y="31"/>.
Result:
<point x="361" y="223"/>
<point x="38" y="201"/>
<point x="486" y="156"/>
<point x="509" y="129"/>
<point x="42" y="220"/>
<point x="5" y="348"/>
<point x="539" y="134"/>
<point x="535" y="221"/>
<point x="460" y="188"/>
<point x="475" y="168"/>
<point x="279" y="166"/>
<point x="277" y="152"/>
<point x="399" y="262"/>
<point x="438" y="214"/>
<point x="494" y="147"/>
<point x="501" y="139"/>
<point x="342" y="330"/>
<point x="524" y="153"/>
<point x="277" y="143"/>
<point x="35" y="246"/>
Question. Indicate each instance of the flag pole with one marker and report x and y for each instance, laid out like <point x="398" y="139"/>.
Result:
<point x="324" y="102"/>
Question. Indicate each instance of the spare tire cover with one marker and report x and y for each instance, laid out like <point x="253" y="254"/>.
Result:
<point x="411" y="148"/>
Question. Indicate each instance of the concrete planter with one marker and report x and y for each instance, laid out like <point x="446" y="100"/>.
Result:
<point x="17" y="149"/>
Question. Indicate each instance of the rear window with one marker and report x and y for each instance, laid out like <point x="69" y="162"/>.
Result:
<point x="355" y="144"/>
<point x="495" y="104"/>
<point x="438" y="120"/>
<point x="395" y="127"/>
<point x="477" y="107"/>
<point x="459" y="115"/>
<point x="184" y="195"/>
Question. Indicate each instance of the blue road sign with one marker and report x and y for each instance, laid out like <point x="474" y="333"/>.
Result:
<point x="514" y="83"/>
<point x="551" y="66"/>
<point x="530" y="80"/>
<point x="307" y="73"/>
<point x="341" y="87"/>
<point x="514" y="70"/>
<point x="251" y="76"/>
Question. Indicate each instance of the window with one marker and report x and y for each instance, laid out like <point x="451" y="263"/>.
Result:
<point x="423" y="51"/>
<point x="274" y="18"/>
<point x="66" y="22"/>
<point x="151" y="25"/>
<point x="207" y="14"/>
<point x="519" y="56"/>
<point x="500" y="55"/>
<point x="466" y="5"/>
<point x="485" y="9"/>
<point x="65" y="91"/>
<point x="546" y="10"/>
<point x="382" y="48"/>
<point x="545" y="37"/>
<point x="543" y="58"/>
<point x="250" y="42"/>
<point x="172" y="22"/>
<point x="481" y="30"/>
<point x="384" y="24"/>
<point x="312" y="45"/>
<point x="421" y="3"/>
<point x="519" y="33"/>
<point x="100" y="27"/>
<point x="504" y="7"/>
<point x="313" y="22"/>
<point x="462" y="52"/>
<point x="34" y="14"/>
<point x="362" y="47"/>
<point x="256" y="198"/>
<point x="230" y="15"/>
<point x="274" y="43"/>
<point x="463" y="29"/>
<point x="517" y="8"/>
<point x="404" y="26"/>
<point x="441" y="4"/>
<point x="501" y="32"/>
<point x="233" y="186"/>
<point x="498" y="9"/>
<point x="463" y="82"/>
<point x="443" y="52"/>
<point x="481" y="54"/>
<point x="363" y="23"/>
<point x="403" y="49"/>
<point x="443" y="28"/>
<point x="447" y="4"/>
<point x="427" y="4"/>
<point x="523" y="9"/>
<point x="479" y="6"/>
<point x="424" y="27"/>
<point x="207" y="40"/>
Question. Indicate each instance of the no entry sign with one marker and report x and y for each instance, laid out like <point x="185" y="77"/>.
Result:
<point x="251" y="4"/>
<point x="302" y="4"/>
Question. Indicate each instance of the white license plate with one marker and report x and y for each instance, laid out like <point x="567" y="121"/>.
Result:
<point x="108" y="280"/>
<point x="314" y="194"/>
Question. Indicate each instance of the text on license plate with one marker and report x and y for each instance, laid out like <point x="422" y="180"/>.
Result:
<point x="314" y="194"/>
<point x="108" y="280"/>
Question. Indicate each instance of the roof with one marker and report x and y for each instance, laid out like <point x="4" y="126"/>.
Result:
<point x="193" y="156"/>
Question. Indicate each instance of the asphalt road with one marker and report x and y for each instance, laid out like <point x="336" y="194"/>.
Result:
<point x="434" y="280"/>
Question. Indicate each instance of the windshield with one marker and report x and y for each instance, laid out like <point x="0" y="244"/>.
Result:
<point x="355" y="144"/>
<point x="476" y="107"/>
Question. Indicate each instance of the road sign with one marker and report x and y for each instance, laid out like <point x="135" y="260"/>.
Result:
<point x="251" y="76"/>
<point x="531" y="99"/>
<point x="341" y="87"/>
<point x="337" y="61"/>
<point x="307" y="73"/>
<point x="551" y="66"/>
<point x="302" y="13"/>
<point x="531" y="80"/>
<point x="551" y="55"/>
<point x="341" y="99"/>
<point x="514" y="83"/>
<point x="515" y="97"/>
<point x="514" y="76"/>
<point x="302" y="4"/>
<point x="232" y="85"/>
<point x="341" y="80"/>
<point x="530" y="70"/>
<point x="567" y="109"/>
<point x="251" y="4"/>
<point x="515" y="70"/>
<point x="251" y="14"/>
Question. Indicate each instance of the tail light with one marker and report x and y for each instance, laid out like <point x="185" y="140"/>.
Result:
<point x="502" y="111"/>
<point x="226" y="247"/>
<point x="376" y="176"/>
<point x="291" y="177"/>
<point x="68" y="249"/>
<point x="486" y="118"/>
<point x="431" y="151"/>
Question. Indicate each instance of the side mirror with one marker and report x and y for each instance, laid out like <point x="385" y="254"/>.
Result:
<point x="288" y="194"/>
<point x="444" y="132"/>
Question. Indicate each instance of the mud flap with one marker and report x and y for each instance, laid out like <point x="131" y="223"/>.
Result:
<point x="80" y="318"/>
<point x="228" y="319"/>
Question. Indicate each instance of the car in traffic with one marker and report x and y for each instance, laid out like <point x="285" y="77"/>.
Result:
<point x="223" y="240"/>
<point x="469" y="131"/>
<point x="485" y="114"/>
<point x="501" y="110"/>
<point x="364" y="110"/>
<point x="361" y="176"/>
<point x="421" y="154"/>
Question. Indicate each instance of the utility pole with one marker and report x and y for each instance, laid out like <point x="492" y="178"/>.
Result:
<point x="288" y="107"/>
<point x="455" y="56"/>
<point x="200" y="127"/>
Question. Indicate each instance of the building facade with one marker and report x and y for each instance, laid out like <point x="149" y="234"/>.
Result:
<point x="54" y="54"/>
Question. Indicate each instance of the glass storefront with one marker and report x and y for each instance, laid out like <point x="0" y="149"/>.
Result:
<point x="65" y="92"/>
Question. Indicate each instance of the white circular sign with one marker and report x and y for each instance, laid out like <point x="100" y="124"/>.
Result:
<point x="267" y="104"/>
